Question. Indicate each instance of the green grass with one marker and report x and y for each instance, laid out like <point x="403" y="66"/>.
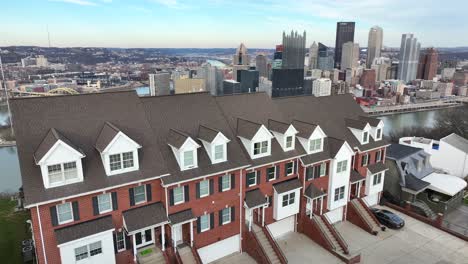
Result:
<point x="466" y="200"/>
<point x="146" y="251"/>
<point x="13" y="229"/>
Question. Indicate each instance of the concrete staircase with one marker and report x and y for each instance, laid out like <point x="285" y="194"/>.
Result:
<point x="154" y="257"/>
<point x="427" y="210"/>
<point x="329" y="236"/>
<point x="365" y="214"/>
<point x="186" y="255"/>
<point x="266" y="245"/>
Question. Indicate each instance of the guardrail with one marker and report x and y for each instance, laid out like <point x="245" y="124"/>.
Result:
<point x="337" y="234"/>
<point x="360" y="213"/>
<point x="276" y="247"/>
<point x="324" y="233"/>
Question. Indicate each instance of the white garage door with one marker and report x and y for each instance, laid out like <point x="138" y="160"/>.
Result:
<point x="372" y="199"/>
<point x="335" y="215"/>
<point x="282" y="227"/>
<point x="219" y="249"/>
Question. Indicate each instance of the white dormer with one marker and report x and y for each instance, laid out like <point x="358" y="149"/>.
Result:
<point x="60" y="160"/>
<point x="255" y="137"/>
<point x="119" y="153"/>
<point x="377" y="131"/>
<point x="313" y="142"/>
<point x="184" y="149"/>
<point x="361" y="130"/>
<point x="215" y="144"/>
<point x="284" y="133"/>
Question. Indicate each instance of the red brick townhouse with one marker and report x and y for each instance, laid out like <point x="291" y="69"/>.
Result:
<point x="115" y="178"/>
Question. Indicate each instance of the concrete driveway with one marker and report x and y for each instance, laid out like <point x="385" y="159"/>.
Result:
<point x="298" y="248"/>
<point x="457" y="220"/>
<point x="235" y="259"/>
<point x="416" y="243"/>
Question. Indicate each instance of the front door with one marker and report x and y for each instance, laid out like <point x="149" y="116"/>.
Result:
<point x="178" y="234"/>
<point x="144" y="238"/>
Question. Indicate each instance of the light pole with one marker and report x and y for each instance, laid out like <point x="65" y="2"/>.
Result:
<point x="6" y="94"/>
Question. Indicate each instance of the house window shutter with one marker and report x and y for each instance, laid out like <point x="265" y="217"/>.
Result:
<point x="220" y="216"/>
<point x="211" y="220"/>
<point x="277" y="169"/>
<point x="95" y="206"/>
<point x="198" y="225"/>
<point x="246" y="180"/>
<point x="308" y="173"/>
<point x="186" y="193"/>
<point x="296" y="165"/>
<point x="76" y="211"/>
<point x="171" y="197"/>
<point x="53" y="215"/>
<point x="114" y="236"/>
<point x="270" y="200"/>
<point x="220" y="183"/>
<point x="149" y="195"/>
<point x="259" y="176"/>
<point x="197" y="190"/>
<point x="115" y="204"/>
<point x="327" y="168"/>
<point x="128" y="243"/>
<point x="211" y="186"/>
<point x="233" y="213"/>
<point x="233" y="181"/>
<point x="132" y="196"/>
<point x="317" y="171"/>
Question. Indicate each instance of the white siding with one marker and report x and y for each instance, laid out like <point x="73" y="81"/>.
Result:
<point x="280" y="212"/>
<point x="282" y="227"/>
<point x="219" y="249"/>
<point x="335" y="215"/>
<point x="67" y="251"/>
<point x="339" y="179"/>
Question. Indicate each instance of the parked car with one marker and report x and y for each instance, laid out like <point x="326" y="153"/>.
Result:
<point x="388" y="218"/>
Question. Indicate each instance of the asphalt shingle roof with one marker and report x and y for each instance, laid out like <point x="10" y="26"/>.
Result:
<point x="181" y="216"/>
<point x="313" y="192"/>
<point x="457" y="142"/>
<point x="144" y="216"/>
<point x="377" y="167"/>
<point x="286" y="186"/>
<point x="397" y="151"/>
<point x="83" y="229"/>
<point x="255" y="198"/>
<point x="108" y="133"/>
<point x="48" y="142"/>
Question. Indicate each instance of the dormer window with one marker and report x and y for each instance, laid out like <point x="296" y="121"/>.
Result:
<point x="188" y="159"/>
<point x="219" y="152"/>
<point x="121" y="161"/>
<point x="365" y="137"/>
<point x="261" y="148"/>
<point x="378" y="134"/>
<point x="64" y="173"/>
<point x="315" y="145"/>
<point x="289" y="142"/>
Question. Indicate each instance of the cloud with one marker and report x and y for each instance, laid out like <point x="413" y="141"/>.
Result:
<point x="77" y="2"/>
<point x="175" y="4"/>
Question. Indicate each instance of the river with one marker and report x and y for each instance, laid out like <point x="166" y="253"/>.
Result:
<point x="10" y="179"/>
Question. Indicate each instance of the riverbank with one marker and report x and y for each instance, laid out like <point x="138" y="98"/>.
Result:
<point x="413" y="110"/>
<point x="13" y="230"/>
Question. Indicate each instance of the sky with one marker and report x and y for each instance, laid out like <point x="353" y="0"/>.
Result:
<point x="225" y="23"/>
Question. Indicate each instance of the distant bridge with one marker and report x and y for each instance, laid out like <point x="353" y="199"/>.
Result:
<point x="56" y="91"/>
<point x="392" y="109"/>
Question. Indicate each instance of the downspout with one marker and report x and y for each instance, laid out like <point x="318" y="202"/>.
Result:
<point x="42" y="236"/>
<point x="240" y="210"/>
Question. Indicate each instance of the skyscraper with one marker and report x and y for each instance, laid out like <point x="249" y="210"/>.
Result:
<point x="160" y="83"/>
<point x="293" y="50"/>
<point x="374" y="44"/>
<point x="344" y="33"/>
<point x="409" y="55"/>
<point x="349" y="56"/>
<point x="313" y="56"/>
<point x="262" y="65"/>
<point x="325" y="59"/>
<point x="213" y="78"/>
<point x="321" y="87"/>
<point x="240" y="61"/>
<point x="428" y="62"/>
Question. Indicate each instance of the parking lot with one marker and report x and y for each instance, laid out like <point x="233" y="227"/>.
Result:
<point x="415" y="243"/>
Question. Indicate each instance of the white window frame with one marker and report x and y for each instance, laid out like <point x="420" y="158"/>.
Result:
<point x="224" y="181"/>
<point x="228" y="215"/>
<point x="366" y="158"/>
<point x="99" y="203"/>
<point x="379" y="155"/>
<point x="313" y="144"/>
<point x="95" y="248"/>
<point x="341" y="166"/>
<point x="255" y="177"/>
<point x="207" y="217"/>
<point x="223" y="151"/>
<point x="89" y="250"/>
<point x="121" y="161"/>
<point x="365" y="137"/>
<point x="263" y="150"/>
<point x="289" y="198"/>
<point x="83" y="248"/>
<point x="188" y="166"/>
<point x="122" y="241"/>
<point x="144" y="192"/>
<point x="274" y="173"/>
<point x="323" y="169"/>
<point x="292" y="168"/>
<point x="182" y="195"/>
<point x="339" y="193"/>
<point x="286" y="142"/>
<point x="377" y="179"/>
<point x="61" y="173"/>
<point x="377" y="131"/>
<point x="61" y="222"/>
<point x="207" y="182"/>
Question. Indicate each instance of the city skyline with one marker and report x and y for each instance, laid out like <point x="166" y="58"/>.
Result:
<point x="212" y="24"/>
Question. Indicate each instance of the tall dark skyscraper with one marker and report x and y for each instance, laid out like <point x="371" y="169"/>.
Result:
<point x="325" y="59"/>
<point x="344" y="33"/>
<point x="293" y="50"/>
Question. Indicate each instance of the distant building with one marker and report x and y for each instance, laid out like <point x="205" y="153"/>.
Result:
<point x="241" y="61"/>
<point x="189" y="85"/>
<point x="316" y="73"/>
<point x="249" y="80"/>
<point x="41" y="61"/>
<point x="447" y="73"/>
<point x="325" y="59"/>
<point x="313" y="56"/>
<point x="367" y="79"/>
<point x="321" y="87"/>
<point x="409" y="55"/>
<point x="460" y="78"/>
<point x="339" y="87"/>
<point x="374" y="45"/>
<point x="28" y="61"/>
<point x="287" y="82"/>
<point x="428" y="63"/>
<point x="261" y="63"/>
<point x="381" y="65"/>
<point x="349" y="55"/>
<point x="344" y="33"/>
<point x="213" y="76"/>
<point x="445" y="88"/>
<point x="293" y="50"/>
<point x="231" y="87"/>
<point x="159" y="83"/>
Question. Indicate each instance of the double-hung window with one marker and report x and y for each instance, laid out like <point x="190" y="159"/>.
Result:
<point x="378" y="156"/>
<point x="365" y="160"/>
<point x="81" y="252"/>
<point x="104" y="203"/>
<point x="323" y="169"/>
<point x="62" y="173"/>
<point x="64" y="213"/>
<point x="120" y="241"/>
<point x="121" y="161"/>
<point x="204" y="188"/>
<point x="226" y="182"/>
<point x="95" y="248"/>
<point x="219" y="152"/>
<point x="315" y="144"/>
<point x="288" y="199"/>
<point x="341" y="166"/>
<point x="365" y="137"/>
<point x="379" y="133"/>
<point x="261" y="147"/>
<point x="271" y="173"/>
<point x="188" y="159"/>
<point x="339" y="193"/>
<point x="178" y="195"/>
<point x="289" y="142"/>
<point x="226" y="216"/>
<point x="87" y="251"/>
<point x="377" y="178"/>
<point x="139" y="193"/>
<point x="251" y="178"/>
<point x="204" y="223"/>
<point x="289" y="168"/>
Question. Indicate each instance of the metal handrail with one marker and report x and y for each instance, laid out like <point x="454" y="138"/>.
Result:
<point x="336" y="231"/>
<point x="323" y="232"/>
<point x="359" y="209"/>
<point x="254" y="235"/>
<point x="276" y="244"/>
